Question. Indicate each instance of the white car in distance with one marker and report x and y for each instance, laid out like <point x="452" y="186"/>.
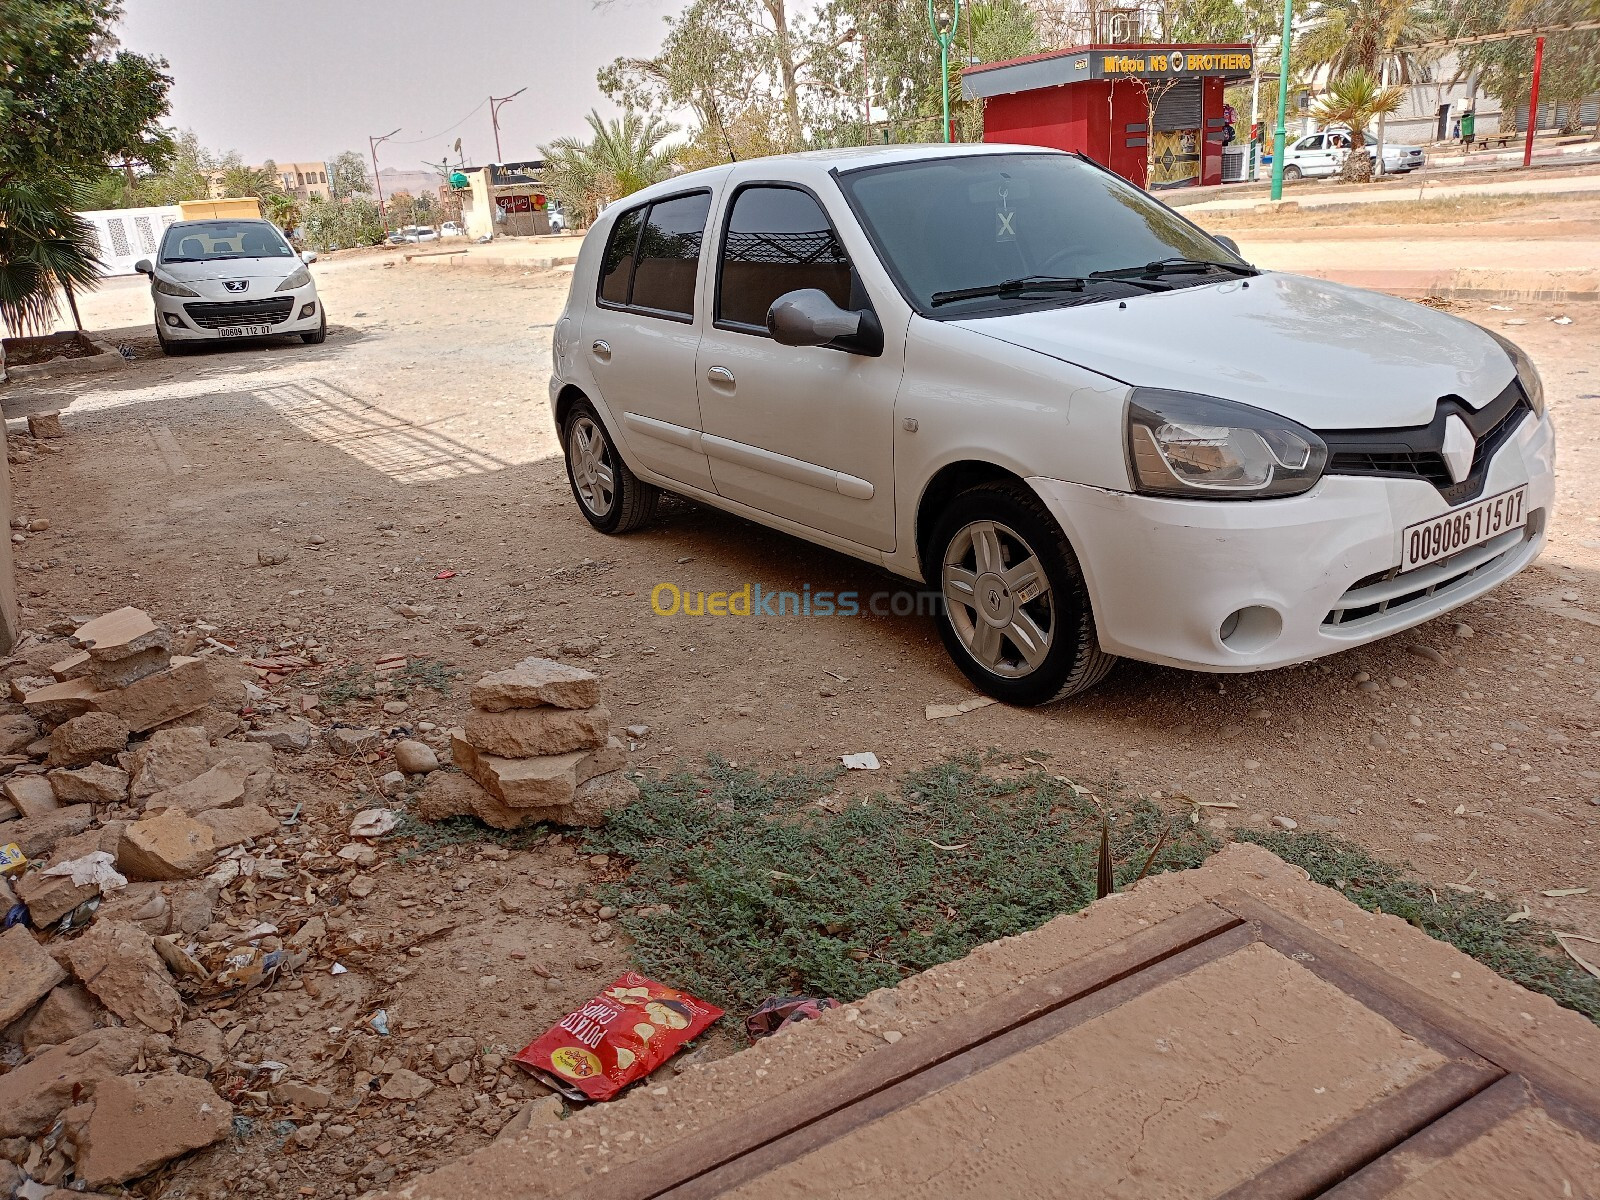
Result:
<point x="1007" y="374"/>
<point x="216" y="280"/>
<point x="1324" y="153"/>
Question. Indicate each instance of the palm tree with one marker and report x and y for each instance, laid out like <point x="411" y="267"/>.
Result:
<point x="1356" y="100"/>
<point x="624" y="155"/>
<point x="44" y="245"/>
<point x="261" y="182"/>
<point x="1350" y="35"/>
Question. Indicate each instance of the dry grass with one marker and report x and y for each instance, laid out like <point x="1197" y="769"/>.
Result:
<point x="1448" y="211"/>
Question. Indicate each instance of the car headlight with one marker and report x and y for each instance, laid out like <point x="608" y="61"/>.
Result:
<point x="296" y="281"/>
<point x="1527" y="373"/>
<point x="1200" y="447"/>
<point x="168" y="288"/>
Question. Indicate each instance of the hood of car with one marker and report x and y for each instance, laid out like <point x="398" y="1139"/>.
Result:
<point x="1325" y="355"/>
<point x="257" y="270"/>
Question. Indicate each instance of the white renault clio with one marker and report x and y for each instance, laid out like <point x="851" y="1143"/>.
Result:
<point x="1092" y="427"/>
<point x="220" y="279"/>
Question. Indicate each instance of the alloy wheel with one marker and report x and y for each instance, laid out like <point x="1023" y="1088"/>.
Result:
<point x="999" y="600"/>
<point x="592" y="474"/>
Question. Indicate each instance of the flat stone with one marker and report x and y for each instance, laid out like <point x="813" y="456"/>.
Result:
<point x="527" y="732"/>
<point x="203" y="1040"/>
<point x="156" y="699"/>
<point x="96" y="783"/>
<point x="348" y="743"/>
<point x="451" y="794"/>
<point x="28" y="973"/>
<point x="223" y="786"/>
<point x="31" y="794"/>
<point x="16" y="732"/>
<point x="120" y="634"/>
<point x="38" y="836"/>
<point x="255" y="760"/>
<point x="56" y="702"/>
<point x="294" y="736"/>
<point x="415" y="758"/>
<point x="233" y="826"/>
<point x="74" y="666"/>
<point x="68" y="1012"/>
<point x="545" y="782"/>
<point x="112" y="674"/>
<point x="51" y="897"/>
<point x="170" y="845"/>
<point x="168" y="758"/>
<point x="534" y="682"/>
<point x="119" y="965"/>
<point x="33" y="1095"/>
<point x="302" y="1096"/>
<point x="405" y="1085"/>
<point x="88" y="738"/>
<point x="141" y="1122"/>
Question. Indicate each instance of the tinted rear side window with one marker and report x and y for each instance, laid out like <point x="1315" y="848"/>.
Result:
<point x="778" y="240"/>
<point x="669" y="255"/>
<point x="616" y="269"/>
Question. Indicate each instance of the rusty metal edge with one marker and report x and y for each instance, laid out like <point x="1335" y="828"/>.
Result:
<point x="749" y="1167"/>
<point x="1455" y="1129"/>
<point x="1406" y="1005"/>
<point x="672" y="1166"/>
<point x="1372" y="1133"/>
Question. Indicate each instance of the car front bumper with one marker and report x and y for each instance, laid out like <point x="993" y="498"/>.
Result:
<point x="1165" y="575"/>
<point x="191" y="326"/>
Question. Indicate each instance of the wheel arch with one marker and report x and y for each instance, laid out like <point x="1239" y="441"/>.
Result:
<point x="946" y="484"/>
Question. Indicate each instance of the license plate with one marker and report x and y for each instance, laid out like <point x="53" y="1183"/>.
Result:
<point x="1428" y="541"/>
<point x="245" y="330"/>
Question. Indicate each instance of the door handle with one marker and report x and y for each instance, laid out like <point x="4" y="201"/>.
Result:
<point x="601" y="349"/>
<point x="720" y="376"/>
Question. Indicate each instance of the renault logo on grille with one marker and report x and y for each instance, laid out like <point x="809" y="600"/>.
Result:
<point x="236" y="285"/>
<point x="1458" y="449"/>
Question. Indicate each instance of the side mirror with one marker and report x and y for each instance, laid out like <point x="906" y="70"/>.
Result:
<point x="309" y="257"/>
<point x="1227" y="243"/>
<point x="807" y="317"/>
<point x="145" y="267"/>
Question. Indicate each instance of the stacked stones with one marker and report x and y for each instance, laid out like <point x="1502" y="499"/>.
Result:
<point x="537" y="746"/>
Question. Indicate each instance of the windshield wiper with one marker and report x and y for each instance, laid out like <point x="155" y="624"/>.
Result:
<point x="1175" y="266"/>
<point x="1034" y="283"/>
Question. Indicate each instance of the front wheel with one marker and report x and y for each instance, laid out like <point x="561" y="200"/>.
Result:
<point x="1017" y="618"/>
<point x="318" y="335"/>
<point x="611" y="497"/>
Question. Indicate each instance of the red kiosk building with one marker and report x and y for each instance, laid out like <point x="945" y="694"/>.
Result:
<point x="1152" y="114"/>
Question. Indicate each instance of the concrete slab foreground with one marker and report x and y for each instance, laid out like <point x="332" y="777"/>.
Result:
<point x="1229" y="1031"/>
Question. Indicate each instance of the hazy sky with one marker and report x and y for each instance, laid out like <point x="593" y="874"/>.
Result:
<point x="301" y="80"/>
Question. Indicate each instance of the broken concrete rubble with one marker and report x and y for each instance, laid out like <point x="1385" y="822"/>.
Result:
<point x="31" y="794"/>
<point x="223" y="786"/>
<point x="534" y="682"/>
<point x="546" y="781"/>
<point x="96" y="783"/>
<point x="141" y="1122"/>
<point x="122" y="633"/>
<point x="37" y="836"/>
<point x="118" y="964"/>
<point x="27" y="973"/>
<point x="234" y="826"/>
<point x="170" y="845"/>
<point x="92" y="737"/>
<point x="170" y="693"/>
<point x="17" y="731"/>
<point x="524" y="732"/>
<point x="51" y="897"/>
<point x="33" y="1095"/>
<point x="67" y="1012"/>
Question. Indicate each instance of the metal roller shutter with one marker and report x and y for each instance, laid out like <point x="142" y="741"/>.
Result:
<point x="1177" y="107"/>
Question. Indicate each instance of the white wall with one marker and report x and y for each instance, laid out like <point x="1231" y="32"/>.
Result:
<point x="129" y="234"/>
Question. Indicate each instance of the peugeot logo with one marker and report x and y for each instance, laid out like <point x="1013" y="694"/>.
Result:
<point x="236" y="285"/>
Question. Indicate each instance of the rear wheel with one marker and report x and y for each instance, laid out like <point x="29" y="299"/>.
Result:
<point x="1017" y="618"/>
<point x="1291" y="172"/>
<point x="611" y="497"/>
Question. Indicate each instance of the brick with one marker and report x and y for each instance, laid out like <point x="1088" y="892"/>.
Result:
<point x="543" y="782"/>
<point x="28" y="971"/>
<point x="527" y="732"/>
<point x="534" y="682"/>
<point x="122" y="633"/>
<point x="171" y="845"/>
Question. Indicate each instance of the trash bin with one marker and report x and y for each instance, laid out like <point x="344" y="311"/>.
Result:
<point x="1235" y="162"/>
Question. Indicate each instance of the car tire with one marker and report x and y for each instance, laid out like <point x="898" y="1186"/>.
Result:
<point x="984" y="626"/>
<point x="1292" y="172"/>
<point x="320" y="334"/>
<point x="170" y="349"/>
<point x="611" y="497"/>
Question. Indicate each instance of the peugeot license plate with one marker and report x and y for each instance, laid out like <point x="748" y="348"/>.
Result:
<point x="245" y="330"/>
<point x="1428" y="541"/>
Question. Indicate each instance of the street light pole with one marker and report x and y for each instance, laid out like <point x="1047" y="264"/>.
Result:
<point x="1280" y="134"/>
<point x="372" y="146"/>
<point x="944" y="32"/>
<point x="494" y="118"/>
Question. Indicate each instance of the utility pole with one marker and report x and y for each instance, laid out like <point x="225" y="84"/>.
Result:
<point x="944" y="32"/>
<point x="372" y="145"/>
<point x="1279" y="134"/>
<point x="494" y="118"/>
<point x="1533" y="102"/>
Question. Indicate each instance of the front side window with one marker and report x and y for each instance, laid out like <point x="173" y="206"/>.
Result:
<point x="950" y="225"/>
<point x="778" y="240"/>
<point x="669" y="254"/>
<point x="203" y="241"/>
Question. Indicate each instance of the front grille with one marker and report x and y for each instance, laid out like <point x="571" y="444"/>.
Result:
<point x="241" y="312"/>
<point x="1394" y="591"/>
<point x="1414" y="453"/>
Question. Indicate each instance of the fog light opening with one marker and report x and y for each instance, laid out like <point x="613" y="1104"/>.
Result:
<point x="1250" y="630"/>
<point x="308" y="310"/>
<point x="172" y="320"/>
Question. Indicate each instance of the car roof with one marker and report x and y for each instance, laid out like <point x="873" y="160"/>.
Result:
<point x="222" y="221"/>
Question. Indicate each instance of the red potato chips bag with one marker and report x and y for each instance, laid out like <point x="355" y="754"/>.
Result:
<point x="623" y="1034"/>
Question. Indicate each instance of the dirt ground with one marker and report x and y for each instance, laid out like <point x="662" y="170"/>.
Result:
<point x="417" y="442"/>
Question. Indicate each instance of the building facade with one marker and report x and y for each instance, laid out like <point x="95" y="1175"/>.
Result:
<point x="301" y="180"/>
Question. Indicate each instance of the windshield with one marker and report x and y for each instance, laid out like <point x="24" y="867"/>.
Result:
<point x="204" y="241"/>
<point x="949" y="224"/>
